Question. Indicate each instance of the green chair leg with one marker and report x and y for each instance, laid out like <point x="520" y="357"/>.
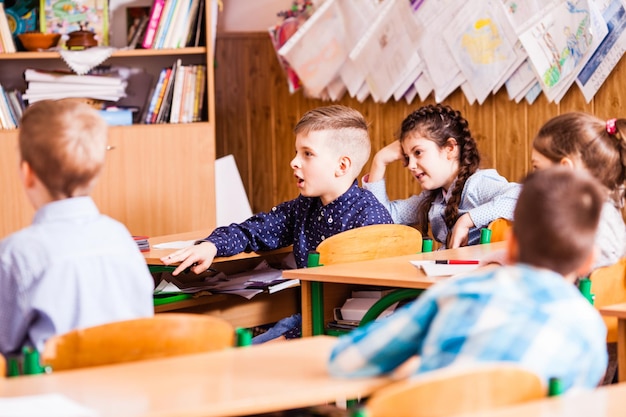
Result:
<point x="387" y="301"/>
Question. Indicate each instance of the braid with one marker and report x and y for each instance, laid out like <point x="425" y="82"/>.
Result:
<point x="440" y="123"/>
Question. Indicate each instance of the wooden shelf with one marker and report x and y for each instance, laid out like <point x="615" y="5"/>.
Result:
<point x="120" y="53"/>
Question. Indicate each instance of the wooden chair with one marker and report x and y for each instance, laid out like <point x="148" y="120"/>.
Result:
<point x="370" y="242"/>
<point x="365" y="243"/>
<point x="499" y="229"/>
<point x="456" y="390"/>
<point x="3" y="367"/>
<point x="608" y="285"/>
<point x="163" y="335"/>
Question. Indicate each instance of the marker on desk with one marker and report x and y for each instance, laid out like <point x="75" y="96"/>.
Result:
<point x="456" y="262"/>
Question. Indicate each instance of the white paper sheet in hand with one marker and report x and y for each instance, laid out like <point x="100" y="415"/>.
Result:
<point x="433" y="269"/>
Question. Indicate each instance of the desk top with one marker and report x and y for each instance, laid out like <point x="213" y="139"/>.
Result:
<point x="614" y="310"/>
<point x="393" y="272"/>
<point x="606" y="401"/>
<point x="235" y="381"/>
<point x="153" y="256"/>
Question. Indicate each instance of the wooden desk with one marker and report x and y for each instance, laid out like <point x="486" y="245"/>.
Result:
<point x="619" y="311"/>
<point x="236" y="381"/>
<point x="388" y="272"/>
<point x="606" y="401"/>
<point x="261" y="309"/>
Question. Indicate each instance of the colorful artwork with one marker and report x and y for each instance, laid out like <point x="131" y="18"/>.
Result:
<point x="65" y="16"/>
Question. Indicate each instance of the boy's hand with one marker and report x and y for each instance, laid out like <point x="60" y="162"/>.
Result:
<point x="390" y="153"/>
<point x="460" y="232"/>
<point x="197" y="258"/>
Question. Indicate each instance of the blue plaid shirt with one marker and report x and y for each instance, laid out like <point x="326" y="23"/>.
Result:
<point x="302" y="222"/>
<point x="520" y="314"/>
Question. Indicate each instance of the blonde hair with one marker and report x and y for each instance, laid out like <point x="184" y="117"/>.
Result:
<point x="349" y="132"/>
<point x="64" y="142"/>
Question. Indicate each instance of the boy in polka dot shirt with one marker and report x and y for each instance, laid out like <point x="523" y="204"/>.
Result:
<point x="332" y="146"/>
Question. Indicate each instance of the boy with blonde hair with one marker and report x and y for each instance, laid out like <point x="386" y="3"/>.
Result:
<point x="73" y="267"/>
<point x="332" y="146"/>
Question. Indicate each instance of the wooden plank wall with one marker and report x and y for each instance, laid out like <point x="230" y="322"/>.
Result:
<point x="255" y="115"/>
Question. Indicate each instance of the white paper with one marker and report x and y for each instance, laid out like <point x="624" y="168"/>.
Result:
<point x="44" y="405"/>
<point x="482" y="42"/>
<point x="176" y="244"/>
<point x="608" y="53"/>
<point x="388" y="50"/>
<point x="231" y="200"/>
<point x="433" y="269"/>
<point x="560" y="43"/>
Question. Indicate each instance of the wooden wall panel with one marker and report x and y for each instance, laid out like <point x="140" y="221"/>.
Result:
<point x="256" y="115"/>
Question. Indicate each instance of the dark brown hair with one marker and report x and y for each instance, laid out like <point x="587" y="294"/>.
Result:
<point x="556" y="218"/>
<point x="439" y="123"/>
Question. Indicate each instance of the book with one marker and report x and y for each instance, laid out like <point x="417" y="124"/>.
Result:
<point x="56" y="76"/>
<point x="177" y="93"/>
<point x="157" y="94"/>
<point x="6" y="36"/>
<point x="153" y="23"/>
<point x="142" y="242"/>
<point x="22" y="17"/>
<point x="164" y="23"/>
<point x="117" y="116"/>
<point x="273" y="286"/>
<point x="164" y="111"/>
<point x="63" y="16"/>
<point x="197" y="29"/>
<point x="138" y="33"/>
<point x="136" y="21"/>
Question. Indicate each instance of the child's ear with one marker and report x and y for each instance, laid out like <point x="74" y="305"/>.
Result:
<point x="512" y="248"/>
<point x="567" y="162"/>
<point x="587" y="266"/>
<point x="27" y="174"/>
<point x="450" y="147"/>
<point x="344" y="167"/>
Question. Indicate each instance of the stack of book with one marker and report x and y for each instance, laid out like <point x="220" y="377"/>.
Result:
<point x="173" y="24"/>
<point x="44" y="84"/>
<point x="142" y="242"/>
<point x="11" y="108"/>
<point x="178" y="95"/>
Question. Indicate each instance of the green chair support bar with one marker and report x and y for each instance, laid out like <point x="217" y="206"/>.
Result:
<point x="387" y="301"/>
<point x="317" y="297"/>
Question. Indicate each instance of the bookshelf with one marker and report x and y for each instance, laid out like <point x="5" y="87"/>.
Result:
<point x="158" y="179"/>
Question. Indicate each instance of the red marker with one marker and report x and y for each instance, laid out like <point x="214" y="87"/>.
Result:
<point x="457" y="262"/>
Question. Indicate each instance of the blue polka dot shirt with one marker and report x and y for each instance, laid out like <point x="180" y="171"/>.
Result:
<point x="302" y="222"/>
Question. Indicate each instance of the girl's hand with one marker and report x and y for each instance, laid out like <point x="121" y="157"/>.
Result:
<point x="390" y="153"/>
<point x="197" y="257"/>
<point x="460" y="232"/>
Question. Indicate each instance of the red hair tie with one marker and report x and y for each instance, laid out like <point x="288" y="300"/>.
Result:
<point x="611" y="129"/>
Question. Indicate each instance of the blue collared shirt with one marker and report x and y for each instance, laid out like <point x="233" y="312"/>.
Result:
<point x="72" y="268"/>
<point x="486" y="196"/>
<point x="302" y="222"/>
<point x="520" y="314"/>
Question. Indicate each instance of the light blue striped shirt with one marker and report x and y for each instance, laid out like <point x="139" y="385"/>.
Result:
<point x="72" y="268"/>
<point x="520" y="314"/>
<point x="486" y="196"/>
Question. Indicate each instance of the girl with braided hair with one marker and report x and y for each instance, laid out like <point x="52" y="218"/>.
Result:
<point x="583" y="141"/>
<point x="457" y="197"/>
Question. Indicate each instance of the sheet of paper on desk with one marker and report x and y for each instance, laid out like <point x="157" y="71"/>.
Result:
<point x="45" y="405"/>
<point x="433" y="269"/>
<point x="177" y="244"/>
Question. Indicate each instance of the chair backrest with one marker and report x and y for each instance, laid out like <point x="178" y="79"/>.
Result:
<point x="370" y="242"/>
<point x="163" y="335"/>
<point x="608" y="285"/>
<point x="456" y="390"/>
<point x="3" y="367"/>
<point x="499" y="229"/>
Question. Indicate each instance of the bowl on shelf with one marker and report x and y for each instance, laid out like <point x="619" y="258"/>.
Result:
<point x="36" y="41"/>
